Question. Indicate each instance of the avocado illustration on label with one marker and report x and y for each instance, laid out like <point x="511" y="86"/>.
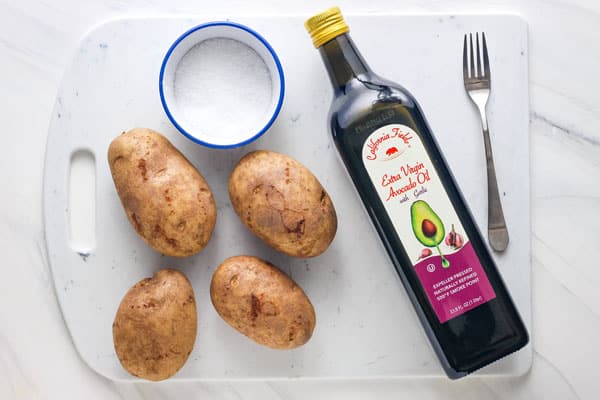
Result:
<point x="428" y="227"/>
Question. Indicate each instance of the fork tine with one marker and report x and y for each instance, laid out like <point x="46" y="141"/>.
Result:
<point x="486" y="60"/>
<point x="479" y="67"/>
<point x="472" y="58"/>
<point x="465" y="59"/>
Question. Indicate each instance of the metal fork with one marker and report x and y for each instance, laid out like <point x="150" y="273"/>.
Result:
<point x="477" y="85"/>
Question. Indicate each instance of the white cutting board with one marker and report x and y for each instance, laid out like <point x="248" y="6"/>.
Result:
<point x="366" y="326"/>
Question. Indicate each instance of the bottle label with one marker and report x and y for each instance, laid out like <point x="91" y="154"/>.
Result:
<point x="425" y="221"/>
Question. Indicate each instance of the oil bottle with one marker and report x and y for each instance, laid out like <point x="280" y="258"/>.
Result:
<point x="417" y="208"/>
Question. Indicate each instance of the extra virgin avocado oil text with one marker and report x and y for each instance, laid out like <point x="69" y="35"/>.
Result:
<point x="417" y="209"/>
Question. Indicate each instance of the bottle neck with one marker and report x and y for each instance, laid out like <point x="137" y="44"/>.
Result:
<point x="343" y="61"/>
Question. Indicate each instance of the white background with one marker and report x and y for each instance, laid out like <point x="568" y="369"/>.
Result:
<point x="37" y="359"/>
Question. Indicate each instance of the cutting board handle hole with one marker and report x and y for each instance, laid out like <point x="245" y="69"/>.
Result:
<point x="82" y="201"/>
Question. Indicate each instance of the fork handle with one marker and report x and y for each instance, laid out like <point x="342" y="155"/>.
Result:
<point x="497" y="231"/>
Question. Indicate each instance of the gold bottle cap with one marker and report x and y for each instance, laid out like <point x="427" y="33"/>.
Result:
<point x="325" y="26"/>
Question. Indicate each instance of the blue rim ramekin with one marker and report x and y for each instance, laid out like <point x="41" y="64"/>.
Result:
<point x="279" y="74"/>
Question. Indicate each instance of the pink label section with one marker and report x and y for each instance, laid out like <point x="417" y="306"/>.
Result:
<point x="457" y="289"/>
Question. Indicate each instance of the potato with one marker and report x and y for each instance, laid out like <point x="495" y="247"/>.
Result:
<point x="283" y="203"/>
<point x="167" y="201"/>
<point x="155" y="326"/>
<point x="262" y="302"/>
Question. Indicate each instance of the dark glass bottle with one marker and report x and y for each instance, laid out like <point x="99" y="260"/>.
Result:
<point x="399" y="172"/>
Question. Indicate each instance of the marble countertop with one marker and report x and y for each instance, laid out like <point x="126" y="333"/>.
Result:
<point x="37" y="358"/>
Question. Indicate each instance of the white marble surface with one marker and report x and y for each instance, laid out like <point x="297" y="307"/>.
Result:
<point x="37" y="359"/>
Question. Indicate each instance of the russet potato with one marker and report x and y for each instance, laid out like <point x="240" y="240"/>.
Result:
<point x="262" y="302"/>
<point x="154" y="329"/>
<point x="282" y="203"/>
<point x="167" y="201"/>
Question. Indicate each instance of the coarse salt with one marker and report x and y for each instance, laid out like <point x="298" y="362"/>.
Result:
<point x="222" y="87"/>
